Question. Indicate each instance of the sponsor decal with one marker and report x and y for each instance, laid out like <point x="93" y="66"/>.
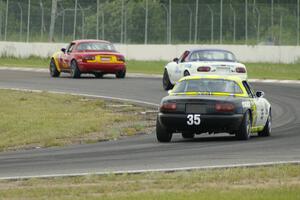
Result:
<point x="262" y="114"/>
<point x="188" y="65"/>
<point x="177" y="70"/>
<point x="246" y="104"/>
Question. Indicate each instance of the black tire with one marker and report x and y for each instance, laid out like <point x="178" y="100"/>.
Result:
<point x="162" y="134"/>
<point x="186" y="73"/>
<point x="98" y="74"/>
<point x="121" y="74"/>
<point x="75" y="72"/>
<point x="266" y="132"/>
<point x="188" y="135"/>
<point x="167" y="85"/>
<point x="244" y="133"/>
<point x="53" y="69"/>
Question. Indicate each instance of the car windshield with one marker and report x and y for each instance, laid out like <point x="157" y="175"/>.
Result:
<point x="208" y="85"/>
<point x="212" y="55"/>
<point x="95" y="46"/>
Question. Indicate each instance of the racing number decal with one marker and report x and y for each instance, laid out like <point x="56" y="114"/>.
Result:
<point x="193" y="119"/>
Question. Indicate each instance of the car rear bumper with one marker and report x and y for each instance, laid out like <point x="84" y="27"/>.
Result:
<point x="209" y="123"/>
<point x="101" y="67"/>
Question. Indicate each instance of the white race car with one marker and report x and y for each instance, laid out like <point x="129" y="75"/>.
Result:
<point x="202" y="62"/>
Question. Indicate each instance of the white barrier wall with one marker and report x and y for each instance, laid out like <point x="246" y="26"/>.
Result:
<point x="272" y="54"/>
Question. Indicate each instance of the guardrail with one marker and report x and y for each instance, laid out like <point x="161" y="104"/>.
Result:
<point x="244" y="53"/>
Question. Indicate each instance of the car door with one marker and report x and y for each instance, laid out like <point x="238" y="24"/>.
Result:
<point x="258" y="107"/>
<point x="180" y="66"/>
<point x="178" y="71"/>
<point x="61" y="59"/>
<point x="67" y="56"/>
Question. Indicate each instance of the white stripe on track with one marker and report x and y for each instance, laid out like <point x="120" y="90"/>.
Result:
<point x="296" y="162"/>
<point x="86" y="95"/>
<point x="140" y="75"/>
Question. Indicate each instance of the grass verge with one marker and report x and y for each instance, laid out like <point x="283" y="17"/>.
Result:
<point x="30" y="120"/>
<point x="265" y="183"/>
<point x="32" y="61"/>
<point x="255" y="70"/>
<point x="273" y="71"/>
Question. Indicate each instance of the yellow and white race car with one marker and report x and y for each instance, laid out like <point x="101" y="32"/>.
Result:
<point x="213" y="104"/>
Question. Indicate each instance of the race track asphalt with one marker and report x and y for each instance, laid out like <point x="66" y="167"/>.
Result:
<point x="143" y="152"/>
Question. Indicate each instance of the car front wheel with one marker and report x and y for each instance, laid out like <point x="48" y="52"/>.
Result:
<point x="268" y="127"/>
<point x="167" y="85"/>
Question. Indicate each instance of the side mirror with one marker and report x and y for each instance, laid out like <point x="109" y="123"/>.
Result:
<point x="260" y="94"/>
<point x="63" y="50"/>
<point x="169" y="92"/>
<point x="175" y="60"/>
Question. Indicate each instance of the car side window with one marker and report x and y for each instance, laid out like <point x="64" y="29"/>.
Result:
<point x="248" y="89"/>
<point x="251" y="89"/>
<point x="183" y="57"/>
<point x="71" y="47"/>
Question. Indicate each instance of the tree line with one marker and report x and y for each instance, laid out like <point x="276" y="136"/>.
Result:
<point x="149" y="21"/>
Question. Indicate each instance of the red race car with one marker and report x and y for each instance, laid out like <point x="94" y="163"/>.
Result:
<point x="96" y="57"/>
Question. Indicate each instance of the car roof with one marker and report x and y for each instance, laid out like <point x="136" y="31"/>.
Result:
<point x="197" y="77"/>
<point x="89" y="40"/>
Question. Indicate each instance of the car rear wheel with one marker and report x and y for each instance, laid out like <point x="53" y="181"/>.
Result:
<point x="75" y="72"/>
<point x="121" y="74"/>
<point x="53" y="69"/>
<point x="98" y="74"/>
<point x="167" y="85"/>
<point x="268" y="127"/>
<point x="188" y="135"/>
<point x="186" y="73"/>
<point x="162" y="134"/>
<point x="244" y="132"/>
